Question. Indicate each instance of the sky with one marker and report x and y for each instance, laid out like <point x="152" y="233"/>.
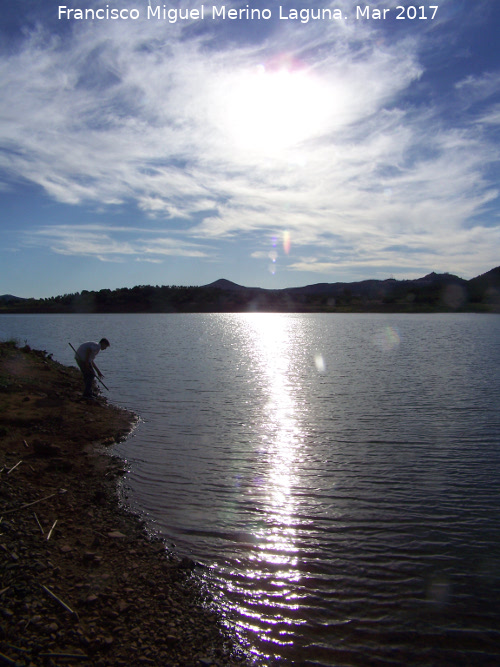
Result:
<point x="274" y="149"/>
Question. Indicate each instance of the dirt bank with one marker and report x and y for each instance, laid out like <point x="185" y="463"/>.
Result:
<point x="80" y="581"/>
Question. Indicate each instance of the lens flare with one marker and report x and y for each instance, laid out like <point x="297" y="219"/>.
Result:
<point x="388" y="339"/>
<point x="319" y="363"/>
<point x="286" y="242"/>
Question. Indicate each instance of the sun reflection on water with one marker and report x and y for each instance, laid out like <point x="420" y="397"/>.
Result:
<point x="273" y="564"/>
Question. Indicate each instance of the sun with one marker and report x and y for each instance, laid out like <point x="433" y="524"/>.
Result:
<point x="271" y="108"/>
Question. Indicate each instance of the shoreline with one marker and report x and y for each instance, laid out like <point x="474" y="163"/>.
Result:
<point x="82" y="581"/>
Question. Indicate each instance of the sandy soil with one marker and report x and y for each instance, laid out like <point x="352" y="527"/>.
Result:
<point x="80" y="580"/>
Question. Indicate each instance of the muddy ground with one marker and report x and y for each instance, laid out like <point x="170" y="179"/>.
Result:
<point x="81" y="582"/>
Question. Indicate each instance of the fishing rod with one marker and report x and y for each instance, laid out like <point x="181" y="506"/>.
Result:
<point x="97" y="376"/>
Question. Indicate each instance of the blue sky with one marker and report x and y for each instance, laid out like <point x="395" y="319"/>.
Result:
<point x="273" y="152"/>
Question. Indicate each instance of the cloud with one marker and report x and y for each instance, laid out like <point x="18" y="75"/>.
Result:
<point x="479" y="88"/>
<point x="409" y="260"/>
<point x="106" y="243"/>
<point x="492" y="116"/>
<point x="192" y="134"/>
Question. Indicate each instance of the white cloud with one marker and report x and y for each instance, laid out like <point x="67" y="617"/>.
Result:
<point x="492" y="116"/>
<point x="478" y="88"/>
<point x="128" y="112"/>
<point x="105" y="242"/>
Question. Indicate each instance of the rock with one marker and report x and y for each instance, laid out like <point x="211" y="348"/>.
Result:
<point x="187" y="564"/>
<point x="43" y="448"/>
<point x="116" y="534"/>
<point x="59" y="464"/>
<point x="172" y="640"/>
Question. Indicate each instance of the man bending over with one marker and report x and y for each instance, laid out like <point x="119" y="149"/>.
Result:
<point x="84" y="357"/>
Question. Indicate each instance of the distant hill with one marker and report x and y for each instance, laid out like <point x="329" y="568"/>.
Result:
<point x="485" y="288"/>
<point x="435" y="292"/>
<point x="224" y="284"/>
<point x="9" y="298"/>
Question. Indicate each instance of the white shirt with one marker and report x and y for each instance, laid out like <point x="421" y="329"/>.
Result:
<point x="91" y="349"/>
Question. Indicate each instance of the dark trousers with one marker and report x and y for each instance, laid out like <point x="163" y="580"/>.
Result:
<point x="88" y="377"/>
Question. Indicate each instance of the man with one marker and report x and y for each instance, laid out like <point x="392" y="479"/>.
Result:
<point x="85" y="356"/>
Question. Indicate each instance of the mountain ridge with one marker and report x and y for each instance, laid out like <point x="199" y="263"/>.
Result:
<point x="315" y="288"/>
<point x="434" y="292"/>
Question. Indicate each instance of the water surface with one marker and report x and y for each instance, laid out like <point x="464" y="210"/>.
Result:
<point x="336" y="474"/>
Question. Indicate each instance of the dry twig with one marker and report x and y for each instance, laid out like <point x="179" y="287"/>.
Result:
<point x="14" y="467"/>
<point x="50" y="531"/>
<point x="79" y="656"/>
<point x="23" y="507"/>
<point x="7" y="660"/>
<point x="53" y="595"/>
<point x="38" y="522"/>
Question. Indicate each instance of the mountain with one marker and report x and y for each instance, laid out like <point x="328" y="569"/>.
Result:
<point x="9" y="298"/>
<point x="434" y="292"/>
<point x="486" y="287"/>
<point x="489" y="280"/>
<point x="224" y="284"/>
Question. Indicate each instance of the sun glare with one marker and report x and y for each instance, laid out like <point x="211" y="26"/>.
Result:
<point x="271" y="109"/>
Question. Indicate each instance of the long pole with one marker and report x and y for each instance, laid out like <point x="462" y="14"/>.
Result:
<point x="98" y="378"/>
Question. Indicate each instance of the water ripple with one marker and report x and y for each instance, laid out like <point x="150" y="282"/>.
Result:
<point x="337" y="475"/>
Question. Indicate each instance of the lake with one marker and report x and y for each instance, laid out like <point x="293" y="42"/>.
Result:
<point x="337" y="475"/>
